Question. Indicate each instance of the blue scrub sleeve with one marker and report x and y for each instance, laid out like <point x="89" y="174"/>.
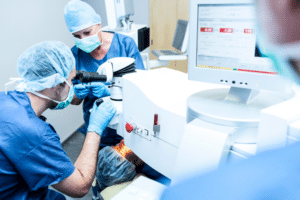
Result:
<point x="134" y="52"/>
<point x="45" y="165"/>
<point x="53" y="195"/>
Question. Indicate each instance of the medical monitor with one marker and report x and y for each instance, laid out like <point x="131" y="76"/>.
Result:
<point x="223" y="46"/>
<point x="223" y="49"/>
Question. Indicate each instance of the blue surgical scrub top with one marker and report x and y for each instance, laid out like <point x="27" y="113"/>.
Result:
<point x="121" y="46"/>
<point x="31" y="155"/>
<point x="270" y="175"/>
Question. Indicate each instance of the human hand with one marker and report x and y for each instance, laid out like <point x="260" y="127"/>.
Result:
<point x="81" y="90"/>
<point x="100" y="117"/>
<point x="98" y="89"/>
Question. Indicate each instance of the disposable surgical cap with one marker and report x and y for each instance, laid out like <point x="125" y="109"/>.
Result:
<point x="80" y="15"/>
<point x="45" y="65"/>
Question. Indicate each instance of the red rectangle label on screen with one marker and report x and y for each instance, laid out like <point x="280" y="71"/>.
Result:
<point x="248" y="31"/>
<point x="206" y="29"/>
<point x="226" y="30"/>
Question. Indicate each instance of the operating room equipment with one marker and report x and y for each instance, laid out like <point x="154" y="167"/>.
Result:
<point x="93" y="89"/>
<point x="111" y="71"/>
<point x="191" y="140"/>
<point x="227" y="54"/>
<point x="120" y="12"/>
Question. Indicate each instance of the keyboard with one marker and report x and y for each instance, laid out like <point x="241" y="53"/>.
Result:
<point x="167" y="52"/>
<point x="169" y="55"/>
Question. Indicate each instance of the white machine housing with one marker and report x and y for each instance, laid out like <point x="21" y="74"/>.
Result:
<point x="182" y="145"/>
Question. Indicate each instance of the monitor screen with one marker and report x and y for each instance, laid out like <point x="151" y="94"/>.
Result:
<point x="181" y="29"/>
<point x="226" y="39"/>
<point x="223" y="46"/>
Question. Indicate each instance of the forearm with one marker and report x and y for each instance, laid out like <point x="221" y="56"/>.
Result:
<point x="87" y="160"/>
<point x="76" y="100"/>
<point x="80" y="181"/>
<point x="78" y="184"/>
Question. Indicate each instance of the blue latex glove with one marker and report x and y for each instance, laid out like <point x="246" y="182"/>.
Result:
<point x="100" y="117"/>
<point x="98" y="89"/>
<point x="81" y="90"/>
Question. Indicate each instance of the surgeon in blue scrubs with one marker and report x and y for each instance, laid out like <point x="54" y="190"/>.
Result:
<point x="274" y="174"/>
<point x="92" y="48"/>
<point x="31" y="155"/>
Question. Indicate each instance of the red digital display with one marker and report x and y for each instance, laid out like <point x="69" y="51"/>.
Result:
<point x="248" y="31"/>
<point x="206" y="29"/>
<point x="226" y="30"/>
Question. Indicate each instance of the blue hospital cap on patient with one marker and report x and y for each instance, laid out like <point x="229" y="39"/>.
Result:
<point x="44" y="65"/>
<point x="80" y="15"/>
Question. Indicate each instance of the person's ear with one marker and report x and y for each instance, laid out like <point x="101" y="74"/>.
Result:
<point x="59" y="89"/>
<point x="62" y="85"/>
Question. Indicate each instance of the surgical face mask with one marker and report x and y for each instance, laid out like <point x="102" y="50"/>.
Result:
<point x="88" y="44"/>
<point x="60" y="104"/>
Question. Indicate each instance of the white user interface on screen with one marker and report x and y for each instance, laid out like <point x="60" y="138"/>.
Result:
<point x="226" y="39"/>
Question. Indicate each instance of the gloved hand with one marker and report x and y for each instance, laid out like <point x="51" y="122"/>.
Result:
<point x="100" y="117"/>
<point x="98" y="89"/>
<point x="81" y="90"/>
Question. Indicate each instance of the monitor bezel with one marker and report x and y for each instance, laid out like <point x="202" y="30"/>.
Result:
<point x="254" y="80"/>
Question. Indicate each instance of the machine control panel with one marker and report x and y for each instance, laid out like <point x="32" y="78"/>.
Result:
<point x="142" y="131"/>
<point x="130" y="127"/>
<point x="138" y="130"/>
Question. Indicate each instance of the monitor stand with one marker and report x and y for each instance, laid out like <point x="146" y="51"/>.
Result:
<point x="234" y="107"/>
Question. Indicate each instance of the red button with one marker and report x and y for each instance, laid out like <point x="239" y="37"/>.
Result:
<point x="128" y="127"/>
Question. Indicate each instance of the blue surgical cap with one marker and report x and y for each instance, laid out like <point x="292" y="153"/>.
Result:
<point x="80" y="15"/>
<point x="45" y="65"/>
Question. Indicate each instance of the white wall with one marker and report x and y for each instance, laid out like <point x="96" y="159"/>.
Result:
<point x="24" y="23"/>
<point x="141" y="11"/>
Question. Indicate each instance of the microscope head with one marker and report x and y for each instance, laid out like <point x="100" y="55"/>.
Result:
<point x="117" y="67"/>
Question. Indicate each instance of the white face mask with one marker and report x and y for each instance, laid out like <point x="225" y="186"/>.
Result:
<point x="88" y="44"/>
